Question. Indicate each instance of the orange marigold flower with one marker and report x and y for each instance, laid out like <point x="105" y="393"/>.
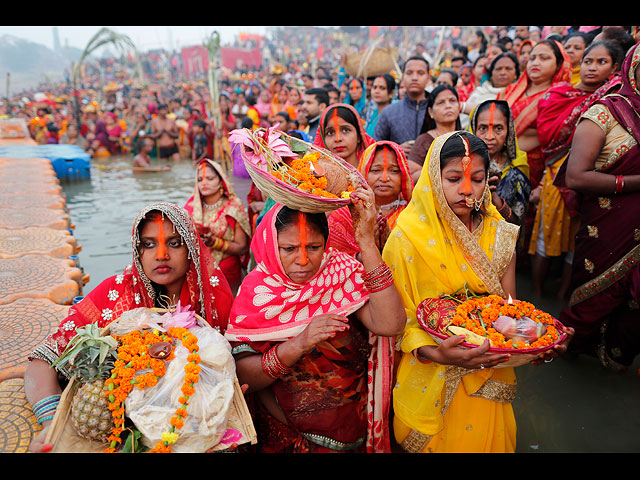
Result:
<point x="177" y="422"/>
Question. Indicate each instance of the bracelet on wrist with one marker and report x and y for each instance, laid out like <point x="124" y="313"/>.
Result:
<point x="378" y="279"/>
<point x="271" y="364"/>
<point x="45" y="408"/>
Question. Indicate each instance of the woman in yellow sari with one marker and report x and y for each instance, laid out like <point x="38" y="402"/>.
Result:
<point x="449" y="399"/>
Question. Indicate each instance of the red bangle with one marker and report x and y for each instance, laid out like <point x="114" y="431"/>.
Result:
<point x="378" y="279"/>
<point x="272" y="365"/>
<point x="619" y="183"/>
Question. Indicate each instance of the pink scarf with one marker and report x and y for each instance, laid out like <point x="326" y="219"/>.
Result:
<point x="271" y="307"/>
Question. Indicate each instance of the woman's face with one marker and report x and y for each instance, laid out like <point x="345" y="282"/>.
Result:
<point x="575" y="48"/>
<point x="493" y="51"/>
<point x="446" y="107"/>
<point x="283" y="95"/>
<point x="541" y="66"/>
<point x="294" y="97"/>
<point x="384" y="176"/>
<point x="478" y="69"/>
<point x="379" y="92"/>
<point x="163" y="255"/>
<point x="596" y="67"/>
<point x="504" y="73"/>
<point x="340" y="136"/>
<point x="459" y="183"/>
<point x="465" y="75"/>
<point x="523" y="58"/>
<point x="445" y="78"/>
<point x="492" y="128"/>
<point x="300" y="255"/>
<point x="209" y="183"/>
<point x="355" y="90"/>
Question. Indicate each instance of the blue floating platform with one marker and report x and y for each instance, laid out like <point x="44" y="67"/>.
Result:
<point x="68" y="161"/>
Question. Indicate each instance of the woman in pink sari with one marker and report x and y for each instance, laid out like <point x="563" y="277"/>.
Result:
<point x="222" y="220"/>
<point x="385" y="167"/>
<point x="341" y="131"/>
<point x="312" y="333"/>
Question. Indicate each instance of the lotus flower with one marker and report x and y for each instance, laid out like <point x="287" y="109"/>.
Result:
<point x="182" y="317"/>
<point x="258" y="142"/>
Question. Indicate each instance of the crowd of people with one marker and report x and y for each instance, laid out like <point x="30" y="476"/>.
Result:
<point x="516" y="148"/>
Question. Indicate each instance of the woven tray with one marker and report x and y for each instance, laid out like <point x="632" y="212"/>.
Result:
<point x="62" y="434"/>
<point x="292" y="196"/>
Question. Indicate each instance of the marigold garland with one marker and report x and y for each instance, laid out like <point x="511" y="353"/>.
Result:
<point x="133" y="355"/>
<point x="478" y="314"/>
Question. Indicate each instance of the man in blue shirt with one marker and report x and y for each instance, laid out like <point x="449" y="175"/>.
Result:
<point x="401" y="121"/>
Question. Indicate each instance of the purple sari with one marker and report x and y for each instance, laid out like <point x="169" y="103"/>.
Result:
<point x="606" y="272"/>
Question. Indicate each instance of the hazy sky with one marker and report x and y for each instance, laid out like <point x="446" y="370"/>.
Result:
<point x="145" y="37"/>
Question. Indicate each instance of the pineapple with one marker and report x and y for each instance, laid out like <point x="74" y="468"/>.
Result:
<point x="90" y="358"/>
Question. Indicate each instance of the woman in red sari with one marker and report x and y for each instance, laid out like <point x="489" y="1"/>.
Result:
<point x="312" y="335"/>
<point x="385" y="167"/>
<point x="221" y="219"/>
<point x="341" y="131"/>
<point x="559" y="110"/>
<point x="604" y="168"/>
<point x="162" y="273"/>
<point x="547" y="66"/>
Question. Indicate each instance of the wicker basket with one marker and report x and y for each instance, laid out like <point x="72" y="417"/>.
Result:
<point x="62" y="434"/>
<point x="339" y="174"/>
<point x="371" y="62"/>
<point x="439" y="320"/>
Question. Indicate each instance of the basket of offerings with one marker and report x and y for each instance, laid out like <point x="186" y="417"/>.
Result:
<point x="295" y="173"/>
<point x="511" y="326"/>
<point x="154" y="381"/>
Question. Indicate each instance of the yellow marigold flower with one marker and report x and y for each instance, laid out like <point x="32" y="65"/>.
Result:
<point x="169" y="437"/>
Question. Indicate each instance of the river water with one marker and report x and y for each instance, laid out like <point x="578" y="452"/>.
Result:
<point x="566" y="406"/>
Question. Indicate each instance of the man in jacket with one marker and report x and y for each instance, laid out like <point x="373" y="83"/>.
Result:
<point x="401" y="121"/>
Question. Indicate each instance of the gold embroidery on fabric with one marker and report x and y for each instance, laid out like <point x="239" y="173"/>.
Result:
<point x="593" y="231"/>
<point x="588" y="265"/>
<point x="599" y="115"/>
<point x="604" y="202"/>
<point x="505" y="244"/>
<point x="607" y="278"/>
<point x="415" y="442"/>
<point x="617" y="153"/>
<point x="636" y="234"/>
<point x="497" y="391"/>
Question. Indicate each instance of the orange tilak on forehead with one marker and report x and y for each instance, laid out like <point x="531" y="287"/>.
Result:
<point x="162" y="239"/>
<point x="492" y="110"/>
<point x="466" y="165"/>
<point x="385" y="164"/>
<point x="204" y="169"/>
<point x="302" y="229"/>
<point x="336" y="126"/>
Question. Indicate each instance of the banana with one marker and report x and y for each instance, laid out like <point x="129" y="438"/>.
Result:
<point x="469" y="336"/>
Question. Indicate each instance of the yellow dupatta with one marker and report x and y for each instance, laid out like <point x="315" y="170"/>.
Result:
<point x="431" y="253"/>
